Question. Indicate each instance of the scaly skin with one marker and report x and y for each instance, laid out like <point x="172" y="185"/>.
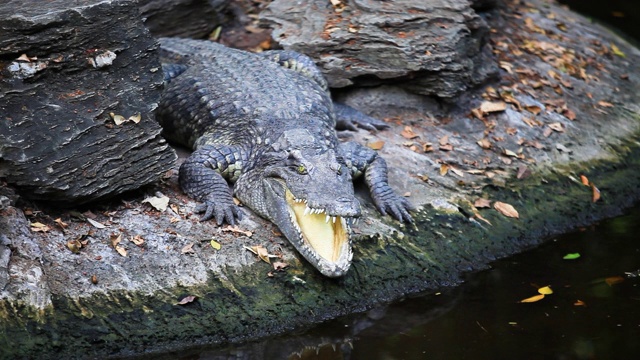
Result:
<point x="266" y="123"/>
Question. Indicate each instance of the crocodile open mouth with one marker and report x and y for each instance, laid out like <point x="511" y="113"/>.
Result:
<point x="326" y="235"/>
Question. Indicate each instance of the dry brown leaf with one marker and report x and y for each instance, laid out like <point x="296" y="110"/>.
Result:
<point x="74" y="246"/>
<point x="447" y="147"/>
<point x="159" y="202"/>
<point x="39" y="227"/>
<point x="532" y="299"/>
<point x="508" y="152"/>
<point x="493" y="106"/>
<point x="534" y="109"/>
<point x="444" y="140"/>
<point x="595" y="193"/>
<point x="408" y="133"/>
<point x="584" y="180"/>
<point x="114" y="239"/>
<point x="444" y="168"/>
<point x="121" y="250"/>
<point x="506" y="209"/>
<point x="261" y="251"/>
<point x="61" y="223"/>
<point x="94" y="279"/>
<point x="482" y="203"/>
<point x="484" y="143"/>
<point x="279" y="265"/>
<point x="612" y="280"/>
<point x="547" y="132"/>
<point x="376" y="145"/>
<point x="556" y="127"/>
<point x="237" y="230"/>
<point x="579" y="303"/>
<point x="605" y="104"/>
<point x="138" y="240"/>
<point x="569" y="114"/>
<point x="480" y="217"/>
<point x="99" y="225"/>
<point x="187" y="299"/>
<point x="456" y="171"/>
<point x="187" y="249"/>
<point x="523" y="172"/>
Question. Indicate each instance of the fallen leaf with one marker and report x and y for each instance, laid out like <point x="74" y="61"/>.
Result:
<point x="138" y="240"/>
<point x="456" y="171"/>
<point x="94" y="279"/>
<point x="508" y="152"/>
<point x="571" y="256"/>
<point x="447" y="147"/>
<point x="121" y="250"/>
<point x="533" y="299"/>
<point x="506" y="209"/>
<point x="556" y="127"/>
<point x="584" y="180"/>
<point x="115" y="239"/>
<point x="408" y="133"/>
<point x="605" y="104"/>
<point x="376" y="145"/>
<point x="261" y="251"/>
<point x="484" y="143"/>
<point x="237" y="230"/>
<point x="187" y="249"/>
<point x="546" y="290"/>
<point x="482" y="203"/>
<point x="534" y="109"/>
<point x="216" y="245"/>
<point x="614" y="280"/>
<point x="523" y="172"/>
<point x="444" y="168"/>
<point x="39" y="227"/>
<point x="96" y="224"/>
<point x="135" y="118"/>
<point x="595" y="193"/>
<point x="579" y="303"/>
<point x="159" y="202"/>
<point x="569" y="114"/>
<point x="491" y="106"/>
<point x="61" y="223"/>
<point x="187" y="299"/>
<point x="74" y="246"/>
<point x="616" y="50"/>
<point x="444" y="140"/>
<point x="479" y="217"/>
<point x="279" y="265"/>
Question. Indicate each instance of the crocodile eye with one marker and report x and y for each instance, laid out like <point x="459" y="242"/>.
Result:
<point x="302" y="170"/>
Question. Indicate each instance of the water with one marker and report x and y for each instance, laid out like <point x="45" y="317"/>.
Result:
<point x="593" y="313"/>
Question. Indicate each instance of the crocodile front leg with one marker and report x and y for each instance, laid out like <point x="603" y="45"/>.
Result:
<point x="362" y="160"/>
<point x="202" y="177"/>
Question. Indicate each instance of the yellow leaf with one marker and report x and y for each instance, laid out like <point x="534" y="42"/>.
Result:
<point x="216" y="245"/>
<point x="616" y="50"/>
<point x="39" y="227"/>
<point x="532" y="299"/>
<point x="545" y="290"/>
<point x="376" y="145"/>
<point x="506" y="209"/>
<point x="584" y="180"/>
<point x="444" y="168"/>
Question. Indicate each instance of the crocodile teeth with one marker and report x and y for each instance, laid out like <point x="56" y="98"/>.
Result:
<point x="307" y="210"/>
<point x="326" y="219"/>
<point x="333" y="219"/>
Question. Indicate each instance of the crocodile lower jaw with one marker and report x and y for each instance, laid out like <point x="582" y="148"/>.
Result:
<point x="324" y="238"/>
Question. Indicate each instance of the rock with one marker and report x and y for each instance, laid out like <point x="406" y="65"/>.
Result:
<point x="430" y="47"/>
<point x="63" y="70"/>
<point x="182" y="18"/>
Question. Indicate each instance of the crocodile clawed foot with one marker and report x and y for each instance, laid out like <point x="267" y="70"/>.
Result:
<point x="349" y="118"/>
<point x="221" y="212"/>
<point x="390" y="203"/>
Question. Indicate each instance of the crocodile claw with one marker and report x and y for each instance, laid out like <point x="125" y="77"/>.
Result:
<point x="390" y="203"/>
<point x="349" y="118"/>
<point x="222" y="212"/>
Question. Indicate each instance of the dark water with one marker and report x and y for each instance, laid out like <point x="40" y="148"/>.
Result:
<point x="593" y="313"/>
<point x="621" y="15"/>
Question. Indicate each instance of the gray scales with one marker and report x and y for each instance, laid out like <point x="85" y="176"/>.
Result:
<point x="266" y="123"/>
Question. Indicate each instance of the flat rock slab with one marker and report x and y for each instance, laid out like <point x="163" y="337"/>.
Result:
<point x="68" y="73"/>
<point x="144" y="279"/>
<point x="432" y="47"/>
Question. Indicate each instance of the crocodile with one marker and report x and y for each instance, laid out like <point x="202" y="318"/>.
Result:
<point x="265" y="122"/>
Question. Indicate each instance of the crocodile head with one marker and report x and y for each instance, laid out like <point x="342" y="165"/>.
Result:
<point x="308" y="194"/>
